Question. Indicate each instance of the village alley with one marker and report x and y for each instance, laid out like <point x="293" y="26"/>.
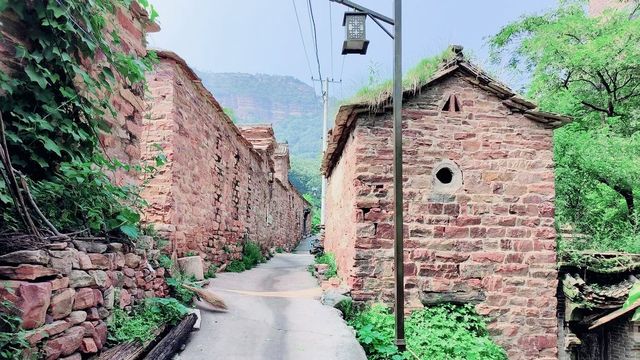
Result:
<point x="274" y="314"/>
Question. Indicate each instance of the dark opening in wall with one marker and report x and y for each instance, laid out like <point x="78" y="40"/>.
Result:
<point x="445" y="175"/>
<point x="452" y="104"/>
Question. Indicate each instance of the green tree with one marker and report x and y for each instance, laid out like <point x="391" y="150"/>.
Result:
<point x="588" y="68"/>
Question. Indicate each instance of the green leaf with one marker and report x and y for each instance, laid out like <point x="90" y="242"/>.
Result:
<point x="130" y="230"/>
<point x="36" y="76"/>
<point x="50" y="145"/>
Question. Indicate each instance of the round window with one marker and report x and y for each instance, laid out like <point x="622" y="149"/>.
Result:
<point x="447" y="177"/>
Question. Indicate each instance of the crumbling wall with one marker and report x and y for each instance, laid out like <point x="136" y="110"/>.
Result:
<point x="218" y="188"/>
<point x="486" y="237"/>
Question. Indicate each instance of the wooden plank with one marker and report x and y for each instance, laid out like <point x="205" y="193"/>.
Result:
<point x="614" y="315"/>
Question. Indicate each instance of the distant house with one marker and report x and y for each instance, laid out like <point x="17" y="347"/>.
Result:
<point x="479" y="212"/>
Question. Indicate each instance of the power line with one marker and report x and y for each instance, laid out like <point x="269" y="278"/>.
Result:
<point x="341" y="72"/>
<point x="315" y="37"/>
<point x="304" y="46"/>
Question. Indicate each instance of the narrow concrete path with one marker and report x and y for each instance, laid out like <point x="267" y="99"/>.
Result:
<point x="274" y="314"/>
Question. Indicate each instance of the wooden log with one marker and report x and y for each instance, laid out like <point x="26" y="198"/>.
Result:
<point x="171" y="343"/>
<point x="130" y="350"/>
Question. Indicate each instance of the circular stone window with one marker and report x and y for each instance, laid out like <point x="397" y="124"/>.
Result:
<point x="447" y="177"/>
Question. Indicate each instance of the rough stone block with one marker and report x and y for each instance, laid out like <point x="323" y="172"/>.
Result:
<point x="38" y="257"/>
<point x="192" y="265"/>
<point x="62" y="304"/>
<point x="26" y="272"/>
<point x="29" y="301"/>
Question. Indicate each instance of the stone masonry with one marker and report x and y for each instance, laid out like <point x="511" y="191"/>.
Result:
<point x="64" y="295"/>
<point x="478" y="189"/>
<point x="220" y="186"/>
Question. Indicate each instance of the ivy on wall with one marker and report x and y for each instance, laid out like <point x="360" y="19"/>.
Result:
<point x="53" y="107"/>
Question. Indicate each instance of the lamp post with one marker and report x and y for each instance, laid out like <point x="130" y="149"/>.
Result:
<point x="356" y="43"/>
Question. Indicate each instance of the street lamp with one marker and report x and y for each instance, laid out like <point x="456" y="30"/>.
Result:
<point x="355" y="24"/>
<point x="398" y="222"/>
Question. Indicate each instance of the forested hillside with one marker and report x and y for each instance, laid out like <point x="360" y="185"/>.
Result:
<point x="284" y="101"/>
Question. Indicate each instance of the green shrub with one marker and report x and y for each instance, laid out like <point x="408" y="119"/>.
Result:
<point x="328" y="259"/>
<point x="141" y="324"/>
<point x="279" y="250"/>
<point x="178" y="291"/>
<point x="191" y="253"/>
<point x="444" y="332"/>
<point x="12" y="339"/>
<point x="251" y="256"/>
<point x="236" y="266"/>
<point x="165" y="261"/>
<point x="211" y="271"/>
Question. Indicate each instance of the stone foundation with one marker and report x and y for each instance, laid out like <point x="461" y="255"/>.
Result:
<point x="64" y="296"/>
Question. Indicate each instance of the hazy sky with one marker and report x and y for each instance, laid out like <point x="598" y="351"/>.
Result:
<point x="262" y="36"/>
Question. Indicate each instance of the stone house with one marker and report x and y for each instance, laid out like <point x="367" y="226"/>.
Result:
<point x="479" y="212"/>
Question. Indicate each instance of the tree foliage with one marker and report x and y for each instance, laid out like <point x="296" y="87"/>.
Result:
<point x="57" y="103"/>
<point x="588" y="68"/>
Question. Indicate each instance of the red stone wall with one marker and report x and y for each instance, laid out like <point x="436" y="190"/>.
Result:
<point x="492" y="239"/>
<point x="217" y="189"/>
<point x="342" y="219"/>
<point x="64" y="295"/>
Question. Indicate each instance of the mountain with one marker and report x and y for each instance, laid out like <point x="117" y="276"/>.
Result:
<point x="289" y="104"/>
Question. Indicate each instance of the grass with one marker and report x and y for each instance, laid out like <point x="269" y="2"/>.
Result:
<point x="377" y="92"/>
<point x="330" y="260"/>
<point x="443" y="332"/>
<point x="140" y="324"/>
<point x="251" y="256"/>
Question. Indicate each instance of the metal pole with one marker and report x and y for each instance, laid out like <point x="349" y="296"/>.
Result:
<point x="325" y="120"/>
<point x="397" y="175"/>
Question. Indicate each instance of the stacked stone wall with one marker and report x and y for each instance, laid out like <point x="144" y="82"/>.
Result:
<point x="64" y="295"/>
<point x="218" y="189"/>
<point x="487" y="237"/>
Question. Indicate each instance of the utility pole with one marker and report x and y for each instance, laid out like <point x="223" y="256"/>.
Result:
<point x="325" y="141"/>
<point x="325" y="129"/>
<point x="357" y="44"/>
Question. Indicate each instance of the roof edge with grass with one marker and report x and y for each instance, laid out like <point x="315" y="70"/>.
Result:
<point x="378" y="99"/>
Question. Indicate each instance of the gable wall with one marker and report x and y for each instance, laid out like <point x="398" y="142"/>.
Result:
<point x="492" y="239"/>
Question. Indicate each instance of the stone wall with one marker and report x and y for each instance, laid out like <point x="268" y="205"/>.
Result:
<point x="64" y="294"/>
<point x="340" y="233"/>
<point x="486" y="237"/>
<point x="219" y="187"/>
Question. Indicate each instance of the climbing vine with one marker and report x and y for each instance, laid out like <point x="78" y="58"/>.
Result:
<point x="54" y="106"/>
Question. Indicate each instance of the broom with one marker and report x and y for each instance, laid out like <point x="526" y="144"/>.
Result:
<point x="208" y="296"/>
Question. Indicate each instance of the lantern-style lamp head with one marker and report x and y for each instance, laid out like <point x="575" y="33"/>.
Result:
<point x="355" y="29"/>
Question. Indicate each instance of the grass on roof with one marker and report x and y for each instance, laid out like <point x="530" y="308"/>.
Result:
<point x="374" y="94"/>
